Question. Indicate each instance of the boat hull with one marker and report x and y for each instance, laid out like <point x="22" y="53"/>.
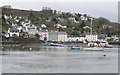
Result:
<point x="75" y="48"/>
<point x="93" y="49"/>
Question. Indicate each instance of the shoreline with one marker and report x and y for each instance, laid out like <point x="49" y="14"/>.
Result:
<point x="38" y="42"/>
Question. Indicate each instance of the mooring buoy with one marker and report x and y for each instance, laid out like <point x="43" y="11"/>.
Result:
<point x="30" y="48"/>
<point x="104" y="55"/>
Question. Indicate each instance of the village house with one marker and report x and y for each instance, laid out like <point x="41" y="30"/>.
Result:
<point x="19" y="28"/>
<point x="76" y="38"/>
<point x="59" y="26"/>
<point x="43" y="35"/>
<point x="86" y="27"/>
<point x="32" y="31"/>
<point x="115" y="38"/>
<point x="57" y="36"/>
<point x="91" y="37"/>
<point x="43" y="26"/>
<point x="12" y="32"/>
<point x="52" y="35"/>
<point x="29" y="27"/>
<point x="84" y="18"/>
<point x="106" y="26"/>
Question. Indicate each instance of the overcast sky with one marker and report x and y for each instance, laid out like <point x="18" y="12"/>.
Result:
<point x="108" y="10"/>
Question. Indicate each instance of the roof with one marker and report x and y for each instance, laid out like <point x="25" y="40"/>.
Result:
<point x="56" y="33"/>
<point x="13" y="30"/>
<point x="102" y="36"/>
<point x="43" y="30"/>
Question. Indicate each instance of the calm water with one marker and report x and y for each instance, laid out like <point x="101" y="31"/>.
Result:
<point x="43" y="59"/>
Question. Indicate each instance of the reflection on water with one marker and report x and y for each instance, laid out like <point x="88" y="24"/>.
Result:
<point x="45" y="59"/>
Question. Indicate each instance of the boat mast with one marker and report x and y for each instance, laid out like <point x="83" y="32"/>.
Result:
<point x="91" y="29"/>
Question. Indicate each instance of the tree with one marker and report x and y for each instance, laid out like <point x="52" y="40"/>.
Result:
<point x="74" y="33"/>
<point x="102" y="21"/>
<point x="82" y="24"/>
<point x="31" y="17"/>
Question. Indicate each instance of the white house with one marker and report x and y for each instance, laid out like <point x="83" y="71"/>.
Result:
<point x="83" y="17"/>
<point x="115" y="38"/>
<point x="59" y="26"/>
<point x="75" y="39"/>
<point x="43" y="26"/>
<point x="86" y="27"/>
<point x="19" y="28"/>
<point x="6" y="17"/>
<point x="91" y="37"/>
<point x="27" y="28"/>
<point x="106" y="26"/>
<point x="12" y="32"/>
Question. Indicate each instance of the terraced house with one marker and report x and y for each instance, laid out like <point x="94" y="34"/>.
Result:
<point x="58" y="36"/>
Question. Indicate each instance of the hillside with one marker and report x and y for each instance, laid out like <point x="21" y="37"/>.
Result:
<point x="76" y="23"/>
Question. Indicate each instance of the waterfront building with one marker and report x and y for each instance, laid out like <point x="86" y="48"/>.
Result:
<point x="76" y="38"/>
<point x="57" y="36"/>
<point x="43" y="35"/>
<point x="91" y="37"/>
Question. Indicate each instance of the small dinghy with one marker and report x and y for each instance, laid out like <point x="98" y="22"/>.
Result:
<point x="75" y="48"/>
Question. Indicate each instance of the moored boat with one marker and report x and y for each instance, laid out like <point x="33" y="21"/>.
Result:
<point x="75" y="48"/>
<point x="94" y="49"/>
<point x="55" y="44"/>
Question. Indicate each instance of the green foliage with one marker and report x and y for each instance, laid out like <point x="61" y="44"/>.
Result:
<point x="82" y="24"/>
<point x="74" y="33"/>
<point x="102" y="20"/>
<point x="110" y="39"/>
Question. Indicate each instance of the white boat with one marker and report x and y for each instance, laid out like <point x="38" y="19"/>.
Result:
<point x="94" y="49"/>
<point x="103" y="44"/>
<point x="75" y="48"/>
<point x="55" y="45"/>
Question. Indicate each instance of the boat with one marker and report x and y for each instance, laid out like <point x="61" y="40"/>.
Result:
<point x="75" y="48"/>
<point x="100" y="44"/>
<point x="55" y="44"/>
<point x="97" y="46"/>
<point x="94" y="49"/>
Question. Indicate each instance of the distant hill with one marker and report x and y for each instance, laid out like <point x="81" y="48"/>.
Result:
<point x="75" y="22"/>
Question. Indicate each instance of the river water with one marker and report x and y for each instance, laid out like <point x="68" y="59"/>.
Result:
<point x="46" y="59"/>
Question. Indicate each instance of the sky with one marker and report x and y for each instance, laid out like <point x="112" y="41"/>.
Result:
<point x="107" y="9"/>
